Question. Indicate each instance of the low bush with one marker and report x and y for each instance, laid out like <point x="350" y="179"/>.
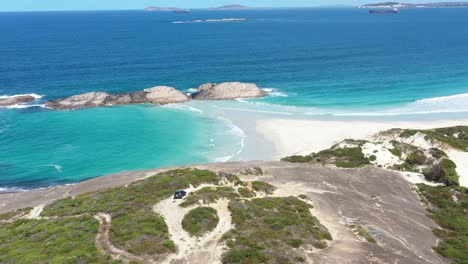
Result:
<point x="200" y="220"/>
<point x="209" y="195"/>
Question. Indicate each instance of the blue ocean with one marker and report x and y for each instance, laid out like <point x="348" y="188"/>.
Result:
<point x="322" y="63"/>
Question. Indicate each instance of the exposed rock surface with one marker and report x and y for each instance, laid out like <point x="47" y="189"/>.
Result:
<point x="155" y="95"/>
<point x="227" y="91"/>
<point x="165" y="95"/>
<point x="20" y="99"/>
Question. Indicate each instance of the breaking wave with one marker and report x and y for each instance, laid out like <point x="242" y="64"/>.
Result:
<point x="275" y="92"/>
<point x="444" y="104"/>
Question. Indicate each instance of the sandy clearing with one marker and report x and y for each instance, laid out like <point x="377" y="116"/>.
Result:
<point x="205" y="249"/>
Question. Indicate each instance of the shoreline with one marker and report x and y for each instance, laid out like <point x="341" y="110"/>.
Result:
<point x="269" y="136"/>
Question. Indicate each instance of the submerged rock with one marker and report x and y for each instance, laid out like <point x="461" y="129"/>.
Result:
<point x="155" y="95"/>
<point x="13" y="100"/>
<point x="228" y="91"/>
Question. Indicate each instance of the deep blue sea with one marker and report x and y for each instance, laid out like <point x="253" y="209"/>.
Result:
<point x="337" y="62"/>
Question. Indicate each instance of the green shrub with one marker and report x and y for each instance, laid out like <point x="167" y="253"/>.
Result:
<point x="200" y="220"/>
<point x="298" y="159"/>
<point x="264" y="187"/>
<point x="416" y="158"/>
<point x="210" y="195"/>
<point x="443" y="172"/>
<point x="450" y="213"/>
<point x="60" y="240"/>
<point x="295" y="243"/>
<point x="372" y="158"/>
<point x="362" y="232"/>
<point x="437" y="153"/>
<point x="320" y="244"/>
<point x="245" y="255"/>
<point x="246" y="193"/>
<point x="257" y="171"/>
<point x="396" y="152"/>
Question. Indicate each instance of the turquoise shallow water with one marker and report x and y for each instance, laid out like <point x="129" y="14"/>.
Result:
<point x="43" y="147"/>
<point x="316" y="63"/>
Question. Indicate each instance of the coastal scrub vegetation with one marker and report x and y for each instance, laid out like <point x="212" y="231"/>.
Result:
<point x="456" y="137"/>
<point x="135" y="227"/>
<point x="209" y="195"/>
<point x="267" y="230"/>
<point x="16" y="213"/>
<point x="255" y="171"/>
<point x="348" y="157"/>
<point x="59" y="240"/>
<point x="200" y="220"/>
<point x="448" y="206"/>
<point x="443" y="172"/>
<point x="263" y="187"/>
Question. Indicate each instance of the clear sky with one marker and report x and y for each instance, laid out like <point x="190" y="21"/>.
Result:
<point x="56" y="5"/>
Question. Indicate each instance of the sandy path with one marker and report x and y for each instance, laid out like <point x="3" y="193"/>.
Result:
<point x="192" y="249"/>
<point x="103" y="243"/>
<point x="36" y="212"/>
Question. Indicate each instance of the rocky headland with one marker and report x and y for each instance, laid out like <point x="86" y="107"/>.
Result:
<point x="14" y="100"/>
<point x="159" y="95"/>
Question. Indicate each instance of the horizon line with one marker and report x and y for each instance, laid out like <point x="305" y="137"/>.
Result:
<point x="191" y="8"/>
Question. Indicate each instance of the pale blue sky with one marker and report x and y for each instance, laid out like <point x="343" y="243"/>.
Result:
<point x="46" y="5"/>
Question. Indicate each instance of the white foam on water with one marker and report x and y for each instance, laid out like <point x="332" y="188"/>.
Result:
<point x="183" y="107"/>
<point x="58" y="168"/>
<point x="445" y="104"/>
<point x="22" y="106"/>
<point x="275" y="92"/>
<point x="237" y="132"/>
<point x="12" y="189"/>
<point x="36" y="96"/>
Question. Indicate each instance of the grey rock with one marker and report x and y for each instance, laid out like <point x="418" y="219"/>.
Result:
<point x="155" y="95"/>
<point x="165" y="95"/>
<point x="228" y="91"/>
<point x="20" y="99"/>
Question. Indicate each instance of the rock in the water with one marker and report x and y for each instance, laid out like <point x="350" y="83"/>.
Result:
<point x="228" y="91"/>
<point x="155" y="95"/>
<point x="13" y="100"/>
<point x="165" y="95"/>
<point x="92" y="99"/>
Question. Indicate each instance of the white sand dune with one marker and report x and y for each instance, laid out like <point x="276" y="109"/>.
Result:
<point x="300" y="137"/>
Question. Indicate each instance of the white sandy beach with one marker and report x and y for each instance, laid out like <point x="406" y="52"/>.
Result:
<point x="299" y="137"/>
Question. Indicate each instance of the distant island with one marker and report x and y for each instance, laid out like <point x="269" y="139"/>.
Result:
<point x="410" y="5"/>
<point x="210" y="20"/>
<point x="166" y="9"/>
<point x="229" y="7"/>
